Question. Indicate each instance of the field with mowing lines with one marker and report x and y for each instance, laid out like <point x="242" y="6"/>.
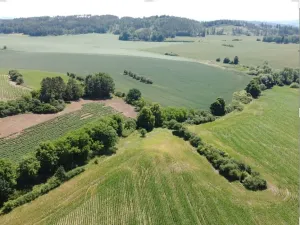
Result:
<point x="10" y="91"/>
<point x="249" y="51"/>
<point x="176" y="83"/>
<point x="16" y="147"/>
<point x="156" y="180"/>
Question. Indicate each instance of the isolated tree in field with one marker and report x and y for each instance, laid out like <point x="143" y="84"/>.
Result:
<point x="133" y="95"/>
<point x="226" y="60"/>
<point x="100" y="85"/>
<point x="218" y="59"/>
<point x="236" y="60"/>
<point x="146" y="119"/>
<point x="158" y="114"/>
<point x="253" y="89"/>
<point x="73" y="91"/>
<point x="218" y="107"/>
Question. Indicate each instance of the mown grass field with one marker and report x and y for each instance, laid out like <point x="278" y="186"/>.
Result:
<point x="15" y="148"/>
<point x="176" y="83"/>
<point x="33" y="78"/>
<point x="9" y="91"/>
<point x="250" y="51"/>
<point x="156" y="180"/>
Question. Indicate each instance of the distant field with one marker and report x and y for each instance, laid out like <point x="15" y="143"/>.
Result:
<point x="176" y="83"/>
<point x="15" y="148"/>
<point x="9" y="91"/>
<point x="250" y="51"/>
<point x="156" y="180"/>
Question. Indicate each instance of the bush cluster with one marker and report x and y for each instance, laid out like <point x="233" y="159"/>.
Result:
<point x="180" y="131"/>
<point x="137" y="77"/>
<point x="232" y="169"/>
<point x="15" y="76"/>
<point x="29" y="104"/>
<point x="228" y="45"/>
<point x="52" y="183"/>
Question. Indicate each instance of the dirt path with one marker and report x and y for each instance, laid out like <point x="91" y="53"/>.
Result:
<point x="16" y="124"/>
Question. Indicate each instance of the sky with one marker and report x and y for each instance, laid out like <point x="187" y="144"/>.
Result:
<point x="202" y="10"/>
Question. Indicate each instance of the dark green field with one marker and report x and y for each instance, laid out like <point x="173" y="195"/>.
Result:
<point x="176" y="83"/>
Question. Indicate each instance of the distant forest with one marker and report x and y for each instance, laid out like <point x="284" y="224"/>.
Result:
<point x="154" y="28"/>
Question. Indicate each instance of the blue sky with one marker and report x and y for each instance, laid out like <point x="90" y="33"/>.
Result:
<point x="266" y="10"/>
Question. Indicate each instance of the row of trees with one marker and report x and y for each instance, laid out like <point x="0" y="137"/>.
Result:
<point x="282" y="39"/>
<point x="232" y="169"/>
<point x="54" y="92"/>
<point x="227" y="60"/>
<point x="143" y="34"/>
<point x="54" y="157"/>
<point x="137" y="77"/>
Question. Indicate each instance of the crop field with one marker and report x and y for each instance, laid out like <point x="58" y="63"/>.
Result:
<point x="9" y="91"/>
<point x="156" y="180"/>
<point x="15" y="148"/>
<point x="176" y="83"/>
<point x="250" y="51"/>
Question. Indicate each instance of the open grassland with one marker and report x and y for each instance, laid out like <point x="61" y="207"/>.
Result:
<point x="156" y="180"/>
<point x="176" y="83"/>
<point x="250" y="51"/>
<point x="9" y="91"/>
<point x="265" y="135"/>
<point x="15" y="147"/>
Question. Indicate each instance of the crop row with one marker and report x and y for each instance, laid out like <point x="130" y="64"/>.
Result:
<point x="15" y="148"/>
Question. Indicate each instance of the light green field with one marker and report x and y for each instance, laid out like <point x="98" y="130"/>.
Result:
<point x="156" y="180"/>
<point x="176" y="83"/>
<point x="250" y="51"/>
<point x="9" y="91"/>
<point x="33" y="78"/>
<point x="16" y="147"/>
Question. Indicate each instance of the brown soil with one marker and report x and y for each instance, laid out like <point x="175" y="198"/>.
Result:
<point x="16" y="124"/>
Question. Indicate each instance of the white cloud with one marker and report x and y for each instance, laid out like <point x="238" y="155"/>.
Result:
<point x="196" y="9"/>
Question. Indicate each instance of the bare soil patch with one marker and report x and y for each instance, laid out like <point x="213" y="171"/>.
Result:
<point x="9" y="126"/>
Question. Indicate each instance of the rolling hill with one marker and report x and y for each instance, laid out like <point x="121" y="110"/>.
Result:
<point x="161" y="179"/>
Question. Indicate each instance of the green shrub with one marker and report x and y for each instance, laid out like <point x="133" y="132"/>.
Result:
<point x="255" y="183"/>
<point x="143" y="132"/>
<point x="218" y="60"/>
<point x="195" y="141"/>
<point x="294" y="85"/>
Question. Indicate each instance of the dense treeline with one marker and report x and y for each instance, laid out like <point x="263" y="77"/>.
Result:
<point x="154" y="28"/>
<point x="54" y="92"/>
<point x="282" y="39"/>
<point x="51" y="159"/>
<point x="137" y="77"/>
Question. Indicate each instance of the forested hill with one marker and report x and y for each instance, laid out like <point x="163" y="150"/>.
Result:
<point x="154" y="28"/>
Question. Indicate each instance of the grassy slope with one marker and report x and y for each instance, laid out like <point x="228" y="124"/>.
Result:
<point x="176" y="83"/>
<point x="265" y="135"/>
<point x="9" y="91"/>
<point x="33" y="78"/>
<point x="250" y="51"/>
<point x="158" y="180"/>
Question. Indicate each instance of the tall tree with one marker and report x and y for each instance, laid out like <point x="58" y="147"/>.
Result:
<point x="218" y="107"/>
<point x="146" y="119"/>
<point x="100" y="85"/>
